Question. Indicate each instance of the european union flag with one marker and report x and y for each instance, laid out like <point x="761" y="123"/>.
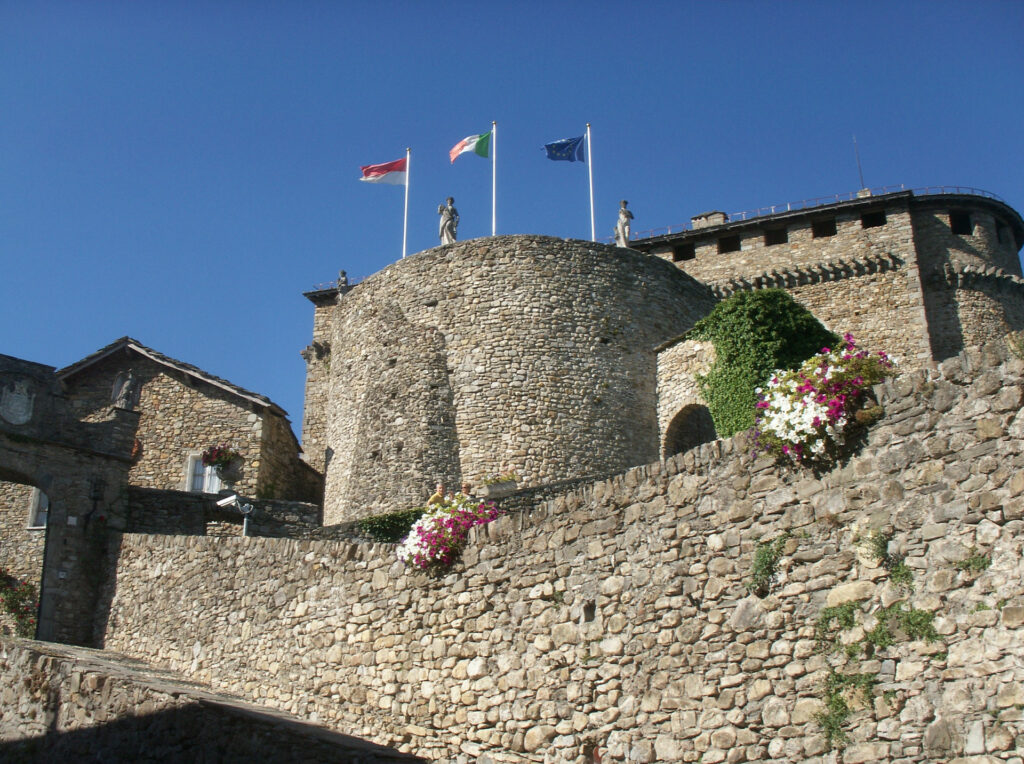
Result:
<point x="567" y="150"/>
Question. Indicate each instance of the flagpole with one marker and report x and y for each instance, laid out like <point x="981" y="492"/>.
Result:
<point x="590" y="173"/>
<point x="494" y="178"/>
<point x="405" y="217"/>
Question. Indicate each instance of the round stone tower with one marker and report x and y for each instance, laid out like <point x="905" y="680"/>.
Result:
<point x="524" y="353"/>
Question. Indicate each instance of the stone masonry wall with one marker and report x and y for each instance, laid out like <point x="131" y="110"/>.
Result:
<point x="283" y="475"/>
<point x="21" y="548"/>
<point x="512" y="352"/>
<point x="66" y="704"/>
<point x="318" y="370"/>
<point x="679" y="365"/>
<point x="616" y="619"/>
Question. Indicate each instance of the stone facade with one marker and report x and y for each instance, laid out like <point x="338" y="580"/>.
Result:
<point x="512" y="352"/>
<point x="183" y="411"/>
<point x="921" y="277"/>
<point x="67" y="704"/>
<point x="616" y="620"/>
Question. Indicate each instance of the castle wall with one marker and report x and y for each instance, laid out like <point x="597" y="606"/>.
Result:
<point x="679" y="365"/>
<point x="526" y="353"/>
<point x="318" y="370"/>
<point x="618" y="618"/>
<point x="67" y="704"/>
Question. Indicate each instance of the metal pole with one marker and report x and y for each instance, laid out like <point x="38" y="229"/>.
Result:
<point x="405" y="217"/>
<point x="590" y="173"/>
<point x="494" y="178"/>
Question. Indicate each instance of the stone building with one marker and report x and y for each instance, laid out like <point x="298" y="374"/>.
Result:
<point x="921" y="276"/>
<point x="174" y="412"/>
<point x="182" y="411"/>
<point x="561" y="359"/>
<point x="524" y="353"/>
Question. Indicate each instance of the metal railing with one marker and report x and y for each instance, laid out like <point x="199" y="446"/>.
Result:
<point x="819" y="201"/>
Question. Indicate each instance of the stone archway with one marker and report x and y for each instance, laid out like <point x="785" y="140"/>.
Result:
<point x="691" y="426"/>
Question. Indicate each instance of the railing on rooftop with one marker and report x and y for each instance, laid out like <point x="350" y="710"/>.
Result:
<point x="820" y="201"/>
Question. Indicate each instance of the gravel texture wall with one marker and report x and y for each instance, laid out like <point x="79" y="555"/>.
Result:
<point x="617" y="618"/>
<point x="512" y="352"/>
<point x="67" y="704"/>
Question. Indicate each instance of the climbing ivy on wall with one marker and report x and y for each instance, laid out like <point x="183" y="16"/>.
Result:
<point x="754" y="333"/>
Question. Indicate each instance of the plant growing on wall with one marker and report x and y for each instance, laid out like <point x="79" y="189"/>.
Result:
<point x="390" y="527"/>
<point x="436" y="539"/>
<point x="501" y="477"/>
<point x="754" y="333"/>
<point x="805" y="415"/>
<point x="19" y="601"/>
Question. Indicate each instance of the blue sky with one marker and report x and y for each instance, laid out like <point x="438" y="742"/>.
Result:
<point x="182" y="171"/>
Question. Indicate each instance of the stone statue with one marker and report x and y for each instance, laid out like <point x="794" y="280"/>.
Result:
<point x="622" y="227"/>
<point x="125" y="394"/>
<point x="449" y="221"/>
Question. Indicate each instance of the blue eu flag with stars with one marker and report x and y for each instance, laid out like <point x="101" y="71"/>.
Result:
<point x="566" y="150"/>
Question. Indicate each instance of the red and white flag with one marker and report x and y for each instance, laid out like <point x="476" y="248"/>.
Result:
<point x="390" y="172"/>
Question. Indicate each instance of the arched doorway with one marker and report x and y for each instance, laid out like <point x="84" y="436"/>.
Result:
<point x="690" y="427"/>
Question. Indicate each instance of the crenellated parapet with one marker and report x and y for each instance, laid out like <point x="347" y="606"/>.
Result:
<point x="790" y="278"/>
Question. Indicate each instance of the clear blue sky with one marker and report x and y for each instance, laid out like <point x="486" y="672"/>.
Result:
<point x="182" y="171"/>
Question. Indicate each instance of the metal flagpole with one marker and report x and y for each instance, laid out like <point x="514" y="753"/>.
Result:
<point x="405" y="217"/>
<point x="590" y="172"/>
<point x="494" y="178"/>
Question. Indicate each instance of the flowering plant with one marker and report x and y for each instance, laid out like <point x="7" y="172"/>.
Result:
<point x="804" y="414"/>
<point x="220" y="455"/>
<point x="19" y="600"/>
<point x="501" y="477"/>
<point x="437" y="537"/>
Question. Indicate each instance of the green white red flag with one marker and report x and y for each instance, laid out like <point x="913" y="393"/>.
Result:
<point x="478" y="144"/>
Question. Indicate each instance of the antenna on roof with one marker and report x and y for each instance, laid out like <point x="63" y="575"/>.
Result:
<point x="856" y="153"/>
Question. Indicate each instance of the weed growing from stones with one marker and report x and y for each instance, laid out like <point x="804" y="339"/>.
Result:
<point x="975" y="563"/>
<point x="765" y="566"/>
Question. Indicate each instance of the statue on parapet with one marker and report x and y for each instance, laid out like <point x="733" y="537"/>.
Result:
<point x="622" y="227"/>
<point x="449" y="221"/>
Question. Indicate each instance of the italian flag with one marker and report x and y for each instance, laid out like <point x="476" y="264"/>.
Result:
<point x="388" y="172"/>
<point x="478" y="144"/>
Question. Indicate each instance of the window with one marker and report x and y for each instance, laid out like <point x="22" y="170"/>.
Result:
<point x="874" y="219"/>
<point x="773" y="236"/>
<point x="683" y="252"/>
<point x="201" y="479"/>
<point x="728" y="244"/>
<point x="960" y="223"/>
<point x="822" y="228"/>
<point x="1002" y="232"/>
<point x="39" y="510"/>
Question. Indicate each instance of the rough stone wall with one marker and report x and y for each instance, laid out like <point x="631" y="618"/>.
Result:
<point x="318" y="371"/>
<point x="972" y="313"/>
<point x="679" y="365"/>
<point x="66" y="704"/>
<point x="515" y="352"/>
<point x="21" y="549"/>
<point x="618" y="618"/>
<point x="851" y="240"/>
<point x="883" y="311"/>
<point x="283" y="475"/>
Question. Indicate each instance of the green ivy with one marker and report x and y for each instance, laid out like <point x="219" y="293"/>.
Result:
<point x="392" y="527"/>
<point x="837" y="688"/>
<point x="754" y="333"/>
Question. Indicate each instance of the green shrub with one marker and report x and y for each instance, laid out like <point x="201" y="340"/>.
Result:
<point x="392" y="527"/>
<point x="754" y="333"/>
<point x="766" y="560"/>
<point x="19" y="600"/>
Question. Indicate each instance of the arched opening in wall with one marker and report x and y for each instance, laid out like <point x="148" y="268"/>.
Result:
<point x="690" y="427"/>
